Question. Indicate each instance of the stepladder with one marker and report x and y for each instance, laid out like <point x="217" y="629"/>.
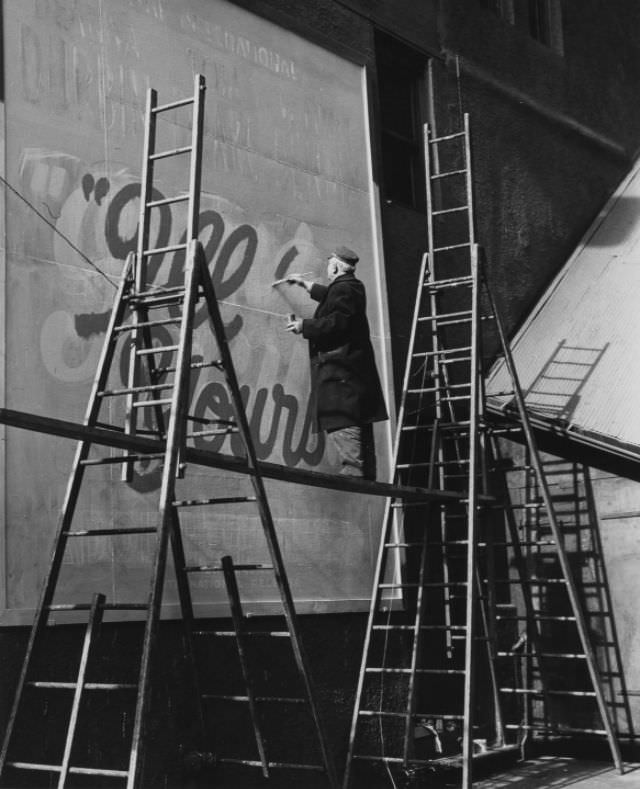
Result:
<point x="436" y="689"/>
<point x="150" y="336"/>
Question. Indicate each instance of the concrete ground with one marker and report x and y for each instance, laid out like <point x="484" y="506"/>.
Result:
<point x="544" y="772"/>
<point x="558" y="772"/>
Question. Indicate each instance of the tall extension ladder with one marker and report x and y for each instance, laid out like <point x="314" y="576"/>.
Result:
<point x="163" y="391"/>
<point x="444" y="580"/>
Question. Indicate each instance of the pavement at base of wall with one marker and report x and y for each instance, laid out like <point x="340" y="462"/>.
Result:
<point x="559" y="772"/>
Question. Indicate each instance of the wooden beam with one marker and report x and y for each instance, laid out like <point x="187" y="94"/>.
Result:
<point x="202" y="457"/>
<point x="569" y="444"/>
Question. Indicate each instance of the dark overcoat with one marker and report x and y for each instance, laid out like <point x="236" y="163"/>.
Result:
<point x="345" y="386"/>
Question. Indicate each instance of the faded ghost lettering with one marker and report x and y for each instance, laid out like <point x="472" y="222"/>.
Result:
<point x="99" y="213"/>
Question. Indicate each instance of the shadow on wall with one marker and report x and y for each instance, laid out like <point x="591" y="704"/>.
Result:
<point x="555" y="392"/>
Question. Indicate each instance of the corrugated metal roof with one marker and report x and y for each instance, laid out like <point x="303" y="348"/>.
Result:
<point x="578" y="354"/>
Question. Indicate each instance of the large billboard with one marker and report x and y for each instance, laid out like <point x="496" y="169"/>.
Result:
<point x="286" y="176"/>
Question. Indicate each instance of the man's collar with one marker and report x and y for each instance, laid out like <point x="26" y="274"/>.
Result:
<point x="346" y="275"/>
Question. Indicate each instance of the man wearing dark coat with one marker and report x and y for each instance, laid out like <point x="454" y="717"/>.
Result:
<point x="345" y="387"/>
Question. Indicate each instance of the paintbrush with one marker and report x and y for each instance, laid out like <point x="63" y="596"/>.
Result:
<point x="286" y="279"/>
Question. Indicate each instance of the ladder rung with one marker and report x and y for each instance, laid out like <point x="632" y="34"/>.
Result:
<point x="192" y="366"/>
<point x="275" y="765"/>
<point x="150" y="403"/>
<point x="455" y="671"/>
<point x="97" y="771"/>
<point x="147" y="253"/>
<point x="438" y="176"/>
<point x="105" y="607"/>
<point x="171" y="152"/>
<point x="172" y="105"/>
<point x="384" y="670"/>
<point x="448" y="352"/>
<point x="265" y="699"/>
<point x="456" y="210"/>
<point x="445" y="316"/>
<point x="54" y="768"/>
<point x="449" y="388"/>
<point x="452" y="628"/>
<point x="232" y="633"/>
<point x="222" y="500"/>
<point x="122" y="459"/>
<point x="146" y="324"/>
<point x="135" y="389"/>
<point x="50" y="768"/>
<point x="530" y="580"/>
<point x="451" y="247"/>
<point x="219" y="432"/>
<point x="565" y="655"/>
<point x="200" y="365"/>
<point x="441" y="322"/>
<point x="109" y="532"/>
<point x="538" y="617"/>
<point x="153" y="299"/>
<point x="552" y="729"/>
<point x="447" y="137"/>
<point x="217" y="568"/>
<point x="85" y="686"/>
<point x="168" y="201"/>
<point x="534" y="692"/>
<point x="430" y="585"/>
<point x="201" y="420"/>
<point x="157" y="349"/>
<point x="453" y="282"/>
<point x="383" y="714"/>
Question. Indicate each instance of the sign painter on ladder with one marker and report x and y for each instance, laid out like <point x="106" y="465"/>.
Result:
<point x="345" y="387"/>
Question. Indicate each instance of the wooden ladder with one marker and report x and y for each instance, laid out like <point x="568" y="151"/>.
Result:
<point x="443" y="586"/>
<point x="163" y="392"/>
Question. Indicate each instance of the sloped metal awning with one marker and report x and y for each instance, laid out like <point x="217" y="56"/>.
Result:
<point x="578" y="353"/>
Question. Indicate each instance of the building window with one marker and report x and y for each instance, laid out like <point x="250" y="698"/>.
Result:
<point x="402" y="85"/>
<point x="541" y="19"/>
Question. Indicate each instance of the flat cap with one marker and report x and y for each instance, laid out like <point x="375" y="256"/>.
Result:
<point x="346" y="254"/>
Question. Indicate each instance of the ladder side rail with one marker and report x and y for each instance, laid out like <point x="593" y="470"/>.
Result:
<point x="388" y="521"/>
<point x="263" y="505"/>
<point x="95" y="618"/>
<point x="472" y="523"/>
<point x="597" y="542"/>
<point x="469" y="182"/>
<point x="487" y="608"/>
<point x="179" y="402"/>
<point x="69" y="504"/>
<point x="146" y="190"/>
<point x="373" y="609"/>
<point x="146" y="187"/>
<point x="195" y="175"/>
<point x="235" y="605"/>
<point x="557" y="535"/>
<point x="532" y="630"/>
<point x="440" y="378"/>
<point x="416" y="650"/>
<point x="426" y="146"/>
<point x="188" y="616"/>
<point x="407" y="368"/>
